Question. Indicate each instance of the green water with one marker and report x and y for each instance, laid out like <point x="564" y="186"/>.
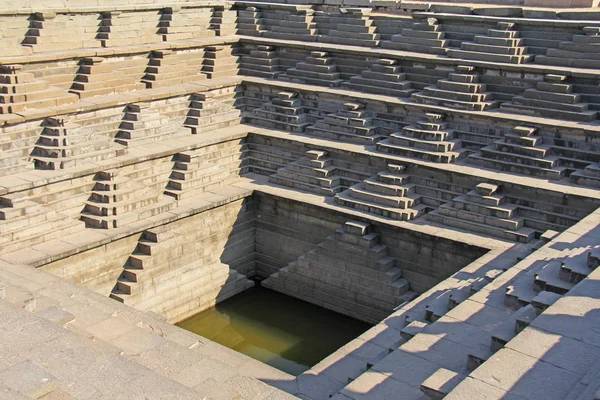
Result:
<point x="286" y="333"/>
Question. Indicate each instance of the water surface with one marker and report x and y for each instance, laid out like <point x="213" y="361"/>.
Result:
<point x="281" y="331"/>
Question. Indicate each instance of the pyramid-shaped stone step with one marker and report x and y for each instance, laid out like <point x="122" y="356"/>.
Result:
<point x="168" y="68"/>
<point x="318" y="69"/>
<point x="500" y="45"/>
<point x="314" y="173"/>
<point x="262" y="62"/>
<point x="425" y="36"/>
<point x="219" y="61"/>
<point x="385" y="77"/>
<point x="351" y="124"/>
<point x="284" y="112"/>
<point x="554" y="98"/>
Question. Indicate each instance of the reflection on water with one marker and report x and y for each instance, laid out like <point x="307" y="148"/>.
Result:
<point x="286" y="333"/>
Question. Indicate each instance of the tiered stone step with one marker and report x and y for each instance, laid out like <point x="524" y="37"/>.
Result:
<point x="178" y="23"/>
<point x="352" y="124"/>
<point x="149" y="280"/>
<point x="116" y="201"/>
<point x="49" y="31"/>
<point x="389" y="194"/>
<point x="581" y="52"/>
<point x="483" y="210"/>
<point x="196" y="171"/>
<point x="214" y="109"/>
<point x="353" y="27"/>
<point x="14" y="29"/>
<point x="502" y="44"/>
<point x="64" y="144"/>
<point x="590" y="176"/>
<point x="312" y="173"/>
<point x="20" y="91"/>
<point x="521" y="152"/>
<point x="168" y="68"/>
<point x="462" y="90"/>
<point x="42" y="214"/>
<point x="249" y="22"/>
<point x="350" y="272"/>
<point x="384" y="77"/>
<point x="318" y="69"/>
<point x="285" y="24"/>
<point x="544" y="284"/>
<point x="141" y="125"/>
<point x="16" y="142"/>
<point x="98" y="77"/>
<point x="425" y="36"/>
<point x="429" y="139"/>
<point x="224" y="20"/>
<point x="261" y="62"/>
<point x="554" y="98"/>
<point x="284" y="112"/>
<point x="120" y="28"/>
<point x="219" y="62"/>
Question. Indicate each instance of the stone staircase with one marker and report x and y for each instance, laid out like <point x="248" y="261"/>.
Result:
<point x="590" y="176"/>
<point x="554" y="98"/>
<point x="581" y="52"/>
<point x="249" y="22"/>
<point x="167" y="68"/>
<point x="350" y="273"/>
<point x="286" y="24"/>
<point x="118" y="200"/>
<point x="142" y="125"/>
<point x="521" y="152"/>
<point x="312" y="173"/>
<point x="352" y="26"/>
<point x="262" y="62"/>
<point x="284" y="112"/>
<point x="388" y="194"/>
<point x="425" y="36"/>
<point x="170" y="275"/>
<point x="219" y="62"/>
<point x="214" y="109"/>
<point x="49" y="31"/>
<point x="317" y="69"/>
<point x="483" y="210"/>
<point x="20" y="91"/>
<point x="63" y="144"/>
<point x="98" y="76"/>
<point x="351" y="124"/>
<point x="429" y="139"/>
<point x="501" y="45"/>
<point x="122" y="28"/>
<point x="27" y="220"/>
<point x="384" y="77"/>
<point x="461" y="90"/>
<point x="178" y="23"/>
<point x="16" y="142"/>
<point x="197" y="171"/>
<point x="224" y="20"/>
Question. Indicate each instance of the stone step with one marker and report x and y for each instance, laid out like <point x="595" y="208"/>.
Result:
<point x="512" y="224"/>
<point x="464" y="105"/>
<point x="523" y="235"/>
<point x="438" y="92"/>
<point x="493" y="49"/>
<point x="490" y="57"/>
<point x="387" y="146"/>
<point x="549" y="109"/>
<point x="372" y="184"/>
<point x="399" y="139"/>
<point x="504" y="211"/>
<point x="408" y="214"/>
<point x="360" y="192"/>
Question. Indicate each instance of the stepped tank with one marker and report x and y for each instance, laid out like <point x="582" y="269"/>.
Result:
<point x="281" y="331"/>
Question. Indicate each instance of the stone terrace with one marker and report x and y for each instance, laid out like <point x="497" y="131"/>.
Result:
<point x="432" y="169"/>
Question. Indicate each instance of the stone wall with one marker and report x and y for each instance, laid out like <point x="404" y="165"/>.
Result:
<point x="286" y="229"/>
<point x="191" y="263"/>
